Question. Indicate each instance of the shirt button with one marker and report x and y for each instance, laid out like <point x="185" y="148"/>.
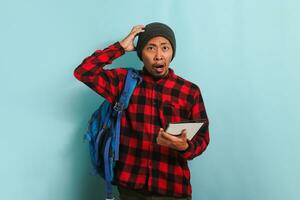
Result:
<point x="154" y="103"/>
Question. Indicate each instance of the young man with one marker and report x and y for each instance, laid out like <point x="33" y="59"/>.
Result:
<point x="153" y="163"/>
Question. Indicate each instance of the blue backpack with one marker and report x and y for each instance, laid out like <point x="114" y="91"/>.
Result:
<point x="103" y="132"/>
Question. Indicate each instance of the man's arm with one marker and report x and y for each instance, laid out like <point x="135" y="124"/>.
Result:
<point x="107" y="83"/>
<point x="91" y="72"/>
<point x="200" y="141"/>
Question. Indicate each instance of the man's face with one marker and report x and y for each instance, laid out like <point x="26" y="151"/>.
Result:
<point x="157" y="55"/>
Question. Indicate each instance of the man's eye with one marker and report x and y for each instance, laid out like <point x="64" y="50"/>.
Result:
<point x="150" y="48"/>
<point x="165" y="48"/>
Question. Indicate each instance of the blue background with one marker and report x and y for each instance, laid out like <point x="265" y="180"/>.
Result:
<point x="243" y="54"/>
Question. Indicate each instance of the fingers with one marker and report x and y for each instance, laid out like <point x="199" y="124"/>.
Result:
<point x="160" y="139"/>
<point x="169" y="137"/>
<point x="137" y="29"/>
<point x="163" y="138"/>
<point x="128" y="42"/>
<point x="175" y="142"/>
<point x="183" y="134"/>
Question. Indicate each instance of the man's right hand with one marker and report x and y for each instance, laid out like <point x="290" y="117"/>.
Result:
<point x="127" y="42"/>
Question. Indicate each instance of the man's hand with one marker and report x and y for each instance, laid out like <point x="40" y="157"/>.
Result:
<point x="175" y="142"/>
<point x="127" y="42"/>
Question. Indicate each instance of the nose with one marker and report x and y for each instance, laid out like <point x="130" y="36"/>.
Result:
<point x="158" y="55"/>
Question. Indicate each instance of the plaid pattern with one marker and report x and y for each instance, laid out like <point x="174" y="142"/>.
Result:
<point x="145" y="165"/>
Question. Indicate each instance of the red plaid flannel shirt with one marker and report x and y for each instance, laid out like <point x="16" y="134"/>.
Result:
<point x="144" y="165"/>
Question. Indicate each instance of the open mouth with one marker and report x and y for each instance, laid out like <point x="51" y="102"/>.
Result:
<point x="158" y="65"/>
<point x="159" y="68"/>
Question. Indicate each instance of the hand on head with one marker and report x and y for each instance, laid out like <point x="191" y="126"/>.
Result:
<point x="127" y="42"/>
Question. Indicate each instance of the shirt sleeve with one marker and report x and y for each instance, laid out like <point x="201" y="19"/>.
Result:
<point x="201" y="140"/>
<point x="107" y="82"/>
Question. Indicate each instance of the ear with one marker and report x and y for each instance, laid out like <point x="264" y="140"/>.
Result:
<point x="172" y="54"/>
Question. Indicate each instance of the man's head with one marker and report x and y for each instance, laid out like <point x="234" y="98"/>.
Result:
<point x="156" y="47"/>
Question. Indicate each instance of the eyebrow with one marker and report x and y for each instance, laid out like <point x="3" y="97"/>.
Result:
<point x="152" y="44"/>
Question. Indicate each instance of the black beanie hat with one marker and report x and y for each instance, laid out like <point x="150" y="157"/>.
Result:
<point x="152" y="30"/>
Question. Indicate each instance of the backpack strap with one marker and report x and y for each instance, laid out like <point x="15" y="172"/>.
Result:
<point x="106" y="123"/>
<point x="132" y="79"/>
<point x="108" y="176"/>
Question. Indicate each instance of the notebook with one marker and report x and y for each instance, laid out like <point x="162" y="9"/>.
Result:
<point x="192" y="127"/>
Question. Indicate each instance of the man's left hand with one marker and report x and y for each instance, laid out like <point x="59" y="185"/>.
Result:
<point x="175" y="142"/>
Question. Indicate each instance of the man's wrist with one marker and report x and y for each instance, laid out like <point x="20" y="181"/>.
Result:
<point x="122" y="44"/>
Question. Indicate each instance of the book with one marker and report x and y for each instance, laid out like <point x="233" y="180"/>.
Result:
<point x="192" y="127"/>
